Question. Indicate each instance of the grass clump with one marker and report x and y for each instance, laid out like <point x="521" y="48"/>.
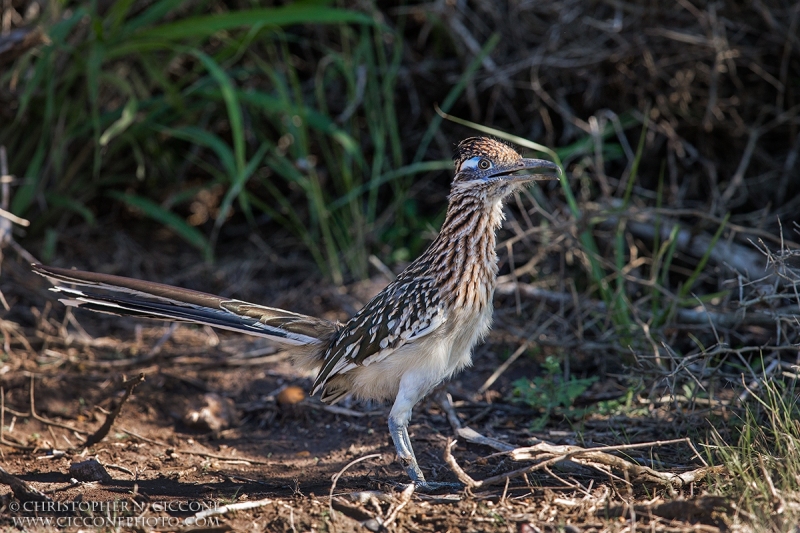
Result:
<point x="194" y="120"/>
<point x="762" y="463"/>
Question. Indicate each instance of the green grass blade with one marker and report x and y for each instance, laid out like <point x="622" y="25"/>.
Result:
<point x="658" y="252"/>
<point x="70" y="204"/>
<point x="409" y="170"/>
<point x="43" y="69"/>
<point x="671" y="246"/>
<point x="94" y="64"/>
<point x="236" y="188"/>
<point x="701" y="265"/>
<point x="154" y="211"/>
<point x="316" y="120"/>
<point x="229" y="95"/>
<point x="453" y="95"/>
<point x="122" y="123"/>
<point x="117" y="13"/>
<point x="297" y="13"/>
<point x="636" y="160"/>
<point x="23" y="196"/>
<point x="151" y="15"/>
<point x="620" y="307"/>
<point x="205" y="138"/>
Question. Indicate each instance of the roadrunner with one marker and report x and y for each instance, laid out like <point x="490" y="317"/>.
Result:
<point x="413" y="335"/>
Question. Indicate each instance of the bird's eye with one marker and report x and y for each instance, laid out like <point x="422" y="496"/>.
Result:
<point x="483" y="164"/>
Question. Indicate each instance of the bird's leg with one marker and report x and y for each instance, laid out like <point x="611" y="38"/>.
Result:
<point x="399" y="431"/>
<point x="402" y="442"/>
<point x="398" y="428"/>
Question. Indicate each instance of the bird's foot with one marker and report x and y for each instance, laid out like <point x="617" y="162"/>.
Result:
<point x="430" y="487"/>
<point x="418" y="480"/>
<point x="437" y="486"/>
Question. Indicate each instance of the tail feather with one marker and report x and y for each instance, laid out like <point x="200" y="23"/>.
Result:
<point x="126" y="296"/>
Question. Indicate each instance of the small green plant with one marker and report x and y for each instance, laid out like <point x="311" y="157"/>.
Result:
<point x="551" y="393"/>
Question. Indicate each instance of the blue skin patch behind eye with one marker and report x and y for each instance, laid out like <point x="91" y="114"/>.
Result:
<point x="471" y="164"/>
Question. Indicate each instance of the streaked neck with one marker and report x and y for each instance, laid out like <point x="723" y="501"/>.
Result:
<point x="462" y="257"/>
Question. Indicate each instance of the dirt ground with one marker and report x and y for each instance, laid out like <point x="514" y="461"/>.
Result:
<point x="286" y="453"/>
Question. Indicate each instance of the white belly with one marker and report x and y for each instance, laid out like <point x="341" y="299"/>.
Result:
<point x="422" y="364"/>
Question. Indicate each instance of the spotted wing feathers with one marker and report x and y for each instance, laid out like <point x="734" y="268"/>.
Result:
<point x="406" y="311"/>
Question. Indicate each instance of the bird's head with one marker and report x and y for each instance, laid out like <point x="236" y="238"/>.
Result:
<point x="493" y="170"/>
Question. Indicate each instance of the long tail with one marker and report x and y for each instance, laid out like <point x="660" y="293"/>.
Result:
<point x="125" y="296"/>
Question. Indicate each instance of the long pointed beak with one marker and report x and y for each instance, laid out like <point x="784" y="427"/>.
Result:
<point x="540" y="170"/>
<point x="533" y="170"/>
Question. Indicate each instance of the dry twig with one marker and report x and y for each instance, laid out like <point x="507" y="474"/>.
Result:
<point x="548" y="454"/>
<point x="101" y="433"/>
<point x="241" y="506"/>
<point x="337" y="475"/>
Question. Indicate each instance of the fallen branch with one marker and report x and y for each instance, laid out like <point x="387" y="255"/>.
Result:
<point x="365" y="518"/>
<point x="740" y="258"/>
<point x="473" y="436"/>
<point x="548" y="454"/>
<point x="699" y="509"/>
<point x="446" y="401"/>
<point x="22" y="491"/>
